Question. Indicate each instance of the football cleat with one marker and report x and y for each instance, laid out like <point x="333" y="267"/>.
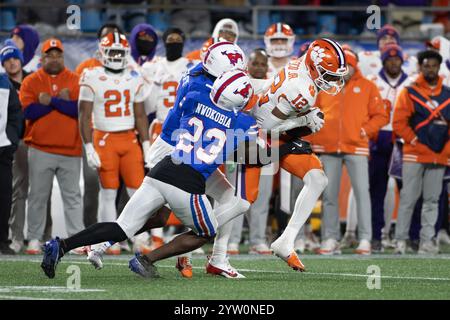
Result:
<point x="184" y="266"/>
<point x="140" y="265"/>
<point x="34" y="247"/>
<point x="261" y="248"/>
<point x="114" y="249"/>
<point x="95" y="258"/>
<point x="329" y="247"/>
<point x="290" y="258"/>
<point x="51" y="257"/>
<point x="233" y="248"/>
<point x="364" y="248"/>
<point x="224" y="269"/>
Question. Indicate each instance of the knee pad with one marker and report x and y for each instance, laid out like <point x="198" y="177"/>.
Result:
<point x="317" y="178"/>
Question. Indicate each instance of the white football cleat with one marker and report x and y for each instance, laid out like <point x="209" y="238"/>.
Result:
<point x="428" y="247"/>
<point x="400" y="247"/>
<point x="34" y="247"/>
<point x="443" y="237"/>
<point x="261" y="248"/>
<point x="233" y="248"/>
<point x="96" y="259"/>
<point x="364" y="247"/>
<point x="224" y="269"/>
<point x="330" y="247"/>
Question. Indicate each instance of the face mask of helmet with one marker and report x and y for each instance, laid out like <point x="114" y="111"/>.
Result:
<point x="330" y="82"/>
<point x="174" y="50"/>
<point x="144" y="47"/>
<point x="114" y="58"/>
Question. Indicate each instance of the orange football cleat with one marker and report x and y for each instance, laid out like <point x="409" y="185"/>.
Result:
<point x="184" y="266"/>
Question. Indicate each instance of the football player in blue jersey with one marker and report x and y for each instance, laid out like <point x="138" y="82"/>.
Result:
<point x="179" y="180"/>
<point x="220" y="57"/>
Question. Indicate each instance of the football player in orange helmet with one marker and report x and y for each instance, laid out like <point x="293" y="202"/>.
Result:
<point x="279" y="41"/>
<point x="290" y="100"/>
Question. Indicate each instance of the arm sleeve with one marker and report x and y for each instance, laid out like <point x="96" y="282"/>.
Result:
<point x="15" y="125"/>
<point x="69" y="108"/>
<point x="378" y="116"/>
<point x="403" y="111"/>
<point x="35" y="111"/>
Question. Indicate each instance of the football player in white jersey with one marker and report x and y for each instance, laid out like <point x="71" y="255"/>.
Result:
<point x="111" y="101"/>
<point x="442" y="45"/>
<point x="279" y="40"/>
<point x="290" y="100"/>
<point x="370" y="62"/>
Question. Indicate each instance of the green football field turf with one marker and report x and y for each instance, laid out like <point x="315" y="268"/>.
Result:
<point x="339" y="277"/>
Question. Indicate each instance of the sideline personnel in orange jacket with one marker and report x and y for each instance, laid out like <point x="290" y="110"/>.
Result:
<point x="421" y="117"/>
<point x="49" y="100"/>
<point x="352" y="117"/>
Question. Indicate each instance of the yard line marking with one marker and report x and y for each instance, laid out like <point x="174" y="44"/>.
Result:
<point x="260" y="271"/>
<point x="46" y="289"/>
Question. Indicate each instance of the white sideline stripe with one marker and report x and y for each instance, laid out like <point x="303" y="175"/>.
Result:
<point x="25" y="298"/>
<point x="263" y="271"/>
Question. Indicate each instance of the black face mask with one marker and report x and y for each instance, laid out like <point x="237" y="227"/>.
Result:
<point x="144" y="47"/>
<point x="173" y="50"/>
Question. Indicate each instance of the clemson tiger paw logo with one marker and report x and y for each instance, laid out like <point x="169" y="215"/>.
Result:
<point x="317" y="54"/>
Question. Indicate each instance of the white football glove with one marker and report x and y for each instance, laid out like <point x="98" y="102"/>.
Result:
<point x="314" y="121"/>
<point x="146" y="151"/>
<point x="92" y="157"/>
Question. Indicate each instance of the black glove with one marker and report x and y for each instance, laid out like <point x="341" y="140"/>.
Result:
<point x="295" y="146"/>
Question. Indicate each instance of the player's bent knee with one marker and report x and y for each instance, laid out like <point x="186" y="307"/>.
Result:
<point x="317" y="178"/>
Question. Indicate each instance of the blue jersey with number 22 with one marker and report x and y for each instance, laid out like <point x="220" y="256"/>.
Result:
<point x="209" y="134"/>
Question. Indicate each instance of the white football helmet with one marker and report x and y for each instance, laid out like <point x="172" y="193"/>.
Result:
<point x="279" y="31"/>
<point x="222" y="57"/>
<point x="114" y="51"/>
<point x="232" y="90"/>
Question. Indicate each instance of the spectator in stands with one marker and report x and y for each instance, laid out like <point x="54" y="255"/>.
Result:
<point x="196" y="23"/>
<point x="352" y="117"/>
<point x="225" y="30"/>
<point x="257" y="69"/>
<point x="90" y="176"/>
<point x="127" y="18"/>
<point x="143" y="41"/>
<point x="49" y="100"/>
<point x="11" y="125"/>
<point x="26" y="39"/>
<point x="426" y="150"/>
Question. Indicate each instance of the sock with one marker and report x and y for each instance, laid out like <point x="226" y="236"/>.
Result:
<point x="315" y="182"/>
<point x="97" y="233"/>
<point x="221" y="241"/>
<point x="107" y="211"/>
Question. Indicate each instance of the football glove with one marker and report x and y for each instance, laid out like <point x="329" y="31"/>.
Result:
<point x="146" y="151"/>
<point x="315" y="120"/>
<point x="92" y="157"/>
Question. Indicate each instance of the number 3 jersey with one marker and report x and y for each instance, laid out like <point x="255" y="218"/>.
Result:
<point x="164" y="77"/>
<point x="113" y="96"/>
<point x="292" y="92"/>
<point x="209" y="134"/>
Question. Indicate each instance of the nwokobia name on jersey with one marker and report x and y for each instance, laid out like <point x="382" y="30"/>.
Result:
<point x="208" y="134"/>
<point x="212" y="114"/>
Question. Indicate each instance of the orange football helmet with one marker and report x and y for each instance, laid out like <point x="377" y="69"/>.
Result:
<point x="114" y="51"/>
<point x="279" y="31"/>
<point x="326" y="64"/>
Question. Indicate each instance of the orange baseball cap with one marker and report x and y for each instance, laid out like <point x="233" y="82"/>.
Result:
<point x="52" y="43"/>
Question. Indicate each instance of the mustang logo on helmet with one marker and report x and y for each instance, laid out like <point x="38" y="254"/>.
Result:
<point x="244" y="91"/>
<point x="233" y="57"/>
